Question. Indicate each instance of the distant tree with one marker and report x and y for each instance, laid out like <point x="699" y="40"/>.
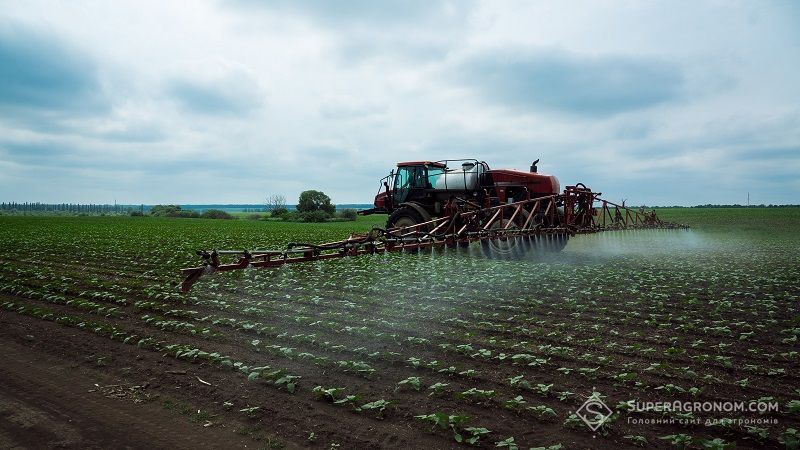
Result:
<point x="311" y="201"/>
<point x="186" y="214"/>
<point x="279" y="212"/>
<point x="275" y="202"/>
<point x="216" y="214"/>
<point x="315" y="216"/>
<point x="165" y="210"/>
<point x="173" y="211"/>
<point x="348" y="214"/>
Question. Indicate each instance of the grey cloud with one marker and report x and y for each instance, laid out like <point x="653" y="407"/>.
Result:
<point x="41" y="73"/>
<point x="408" y="48"/>
<point x="635" y="130"/>
<point x="349" y="110"/>
<point x="530" y="79"/>
<point x="410" y="30"/>
<point x="741" y="137"/>
<point x="236" y="95"/>
<point x="767" y="154"/>
<point x="367" y="12"/>
<point x="138" y="134"/>
<point x="52" y="154"/>
<point x="497" y="151"/>
<point x="30" y="151"/>
<point x="751" y="131"/>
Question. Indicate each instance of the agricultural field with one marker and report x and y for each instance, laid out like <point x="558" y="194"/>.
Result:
<point x="431" y="350"/>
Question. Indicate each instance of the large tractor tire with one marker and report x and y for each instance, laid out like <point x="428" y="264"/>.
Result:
<point x="506" y="248"/>
<point x="405" y="216"/>
<point x="546" y="242"/>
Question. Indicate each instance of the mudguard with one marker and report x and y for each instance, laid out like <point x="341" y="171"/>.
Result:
<point x="418" y="208"/>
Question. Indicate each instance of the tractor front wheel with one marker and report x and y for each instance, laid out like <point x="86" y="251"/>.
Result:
<point x="404" y="217"/>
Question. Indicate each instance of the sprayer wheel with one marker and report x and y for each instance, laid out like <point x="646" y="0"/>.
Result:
<point x="404" y="217"/>
<point x="511" y="247"/>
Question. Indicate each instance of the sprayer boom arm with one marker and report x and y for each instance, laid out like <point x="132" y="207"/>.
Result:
<point x="573" y="212"/>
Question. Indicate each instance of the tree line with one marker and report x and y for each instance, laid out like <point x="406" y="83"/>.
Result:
<point x="312" y="206"/>
<point x="69" y="208"/>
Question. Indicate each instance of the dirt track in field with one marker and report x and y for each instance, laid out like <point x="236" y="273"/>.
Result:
<point x="55" y="395"/>
<point x="48" y="401"/>
<point x="69" y="388"/>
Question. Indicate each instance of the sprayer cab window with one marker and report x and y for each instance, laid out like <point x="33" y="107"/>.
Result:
<point x="433" y="176"/>
<point x="411" y="177"/>
<point x="401" y="179"/>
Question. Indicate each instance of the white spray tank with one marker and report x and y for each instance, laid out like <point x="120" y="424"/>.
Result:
<point x="467" y="178"/>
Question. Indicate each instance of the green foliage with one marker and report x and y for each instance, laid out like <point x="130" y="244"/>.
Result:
<point x="307" y="217"/>
<point x="173" y="211"/>
<point x="639" y="441"/>
<point x="414" y="382"/>
<point x="543" y="411"/>
<point x="717" y="444"/>
<point x="313" y="201"/>
<point x="474" y="434"/>
<point x="315" y="216"/>
<point x="480" y="394"/>
<point x="329" y="394"/>
<point x="454" y="422"/>
<point x="438" y="388"/>
<point x="215" y="214"/>
<point x="347" y="214"/>
<point x="378" y="406"/>
<point x="761" y="432"/>
<point x="679" y="441"/>
<point x="790" y="439"/>
<point x="515" y="403"/>
<point x="288" y="381"/>
<point x="164" y="210"/>
<point x="279" y="211"/>
<point x="508" y="443"/>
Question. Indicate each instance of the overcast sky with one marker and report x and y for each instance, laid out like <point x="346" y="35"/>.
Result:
<point x="673" y="102"/>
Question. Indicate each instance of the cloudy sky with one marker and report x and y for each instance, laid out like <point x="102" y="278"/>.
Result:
<point x="673" y="102"/>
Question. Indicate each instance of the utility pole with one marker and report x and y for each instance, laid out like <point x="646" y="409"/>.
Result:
<point x="748" y="199"/>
